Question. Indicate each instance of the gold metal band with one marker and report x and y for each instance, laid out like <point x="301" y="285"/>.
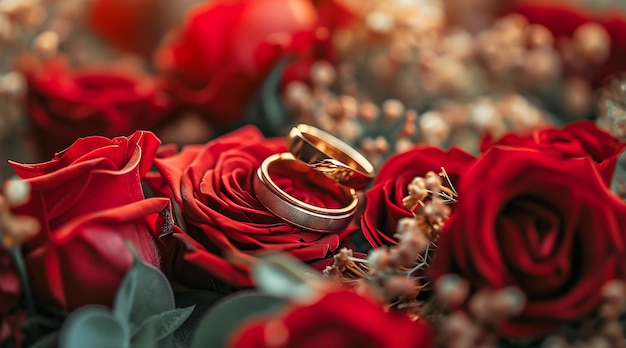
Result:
<point x="330" y="156"/>
<point x="293" y="210"/>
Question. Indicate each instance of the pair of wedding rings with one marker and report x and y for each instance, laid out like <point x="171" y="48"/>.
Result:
<point x="317" y="160"/>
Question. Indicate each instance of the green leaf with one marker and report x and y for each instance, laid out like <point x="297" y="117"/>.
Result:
<point x="145" y="291"/>
<point x="95" y="327"/>
<point x="282" y="275"/>
<point x="219" y="323"/>
<point x="145" y="338"/>
<point x="267" y="111"/>
<point x="166" y="322"/>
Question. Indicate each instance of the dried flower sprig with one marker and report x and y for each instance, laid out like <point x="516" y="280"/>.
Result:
<point x="396" y="273"/>
<point x="476" y="327"/>
<point x="612" y="106"/>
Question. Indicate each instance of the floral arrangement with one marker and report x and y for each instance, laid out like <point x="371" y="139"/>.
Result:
<point x="299" y="173"/>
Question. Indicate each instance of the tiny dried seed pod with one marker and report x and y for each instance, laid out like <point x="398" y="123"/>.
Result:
<point x="432" y="181"/>
<point x="417" y="188"/>
<point x="323" y="73"/>
<point x="393" y="109"/>
<point x="406" y="228"/>
<point x="297" y="95"/>
<point x="594" y="42"/>
<point x="17" y="192"/>
<point x="47" y="44"/>
<point x="614" y="291"/>
<point x="539" y="36"/>
<point x="508" y="302"/>
<point x="452" y="289"/>
<point x="400" y="286"/>
<point x="368" y="112"/>
<point x="378" y="260"/>
<point x="13" y="84"/>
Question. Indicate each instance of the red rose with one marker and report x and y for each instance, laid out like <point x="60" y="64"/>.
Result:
<point x="545" y="225"/>
<point x="127" y="25"/>
<point x="86" y="259"/>
<point x="579" y="139"/>
<point x="384" y="200"/>
<point x="226" y="48"/>
<point x="88" y="200"/>
<point x="64" y="105"/>
<point x="570" y="17"/>
<point x="338" y="319"/>
<point x="225" y="223"/>
<point x="93" y="174"/>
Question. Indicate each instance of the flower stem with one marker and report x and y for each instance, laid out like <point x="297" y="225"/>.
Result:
<point x="16" y="255"/>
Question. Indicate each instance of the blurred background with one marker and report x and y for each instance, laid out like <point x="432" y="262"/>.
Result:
<point x="382" y="75"/>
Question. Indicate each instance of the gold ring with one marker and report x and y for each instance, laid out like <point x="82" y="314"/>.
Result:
<point x="293" y="210"/>
<point x="330" y="156"/>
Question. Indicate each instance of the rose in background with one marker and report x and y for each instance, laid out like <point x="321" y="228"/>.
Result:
<point x="127" y="26"/>
<point x="88" y="201"/>
<point x="64" y="104"/>
<point x="595" y="52"/>
<point x="384" y="200"/>
<point x="539" y="222"/>
<point x="336" y="319"/>
<point x="224" y="50"/>
<point x="576" y="140"/>
<point x="224" y="225"/>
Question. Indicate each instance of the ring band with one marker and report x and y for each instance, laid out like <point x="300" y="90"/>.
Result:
<point x="294" y="211"/>
<point x="331" y="156"/>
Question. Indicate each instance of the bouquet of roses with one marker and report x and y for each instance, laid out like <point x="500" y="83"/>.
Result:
<point x="300" y="173"/>
<point x="523" y="241"/>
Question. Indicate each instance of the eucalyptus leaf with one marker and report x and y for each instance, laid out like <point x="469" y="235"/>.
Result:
<point x="220" y="322"/>
<point x="94" y="327"/>
<point x="145" y="338"/>
<point x="165" y="323"/>
<point x="282" y="275"/>
<point x="145" y="291"/>
<point x="267" y="111"/>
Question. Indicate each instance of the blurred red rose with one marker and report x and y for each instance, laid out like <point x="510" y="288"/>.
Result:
<point x="384" y="200"/>
<point x="546" y="225"/>
<point x="88" y="200"/>
<point x="225" y="223"/>
<point x="64" y="104"/>
<point x="334" y="14"/>
<point x="336" y="320"/>
<point x="579" y="139"/>
<point x="127" y="25"/>
<point x="572" y="16"/>
<point x="225" y="49"/>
